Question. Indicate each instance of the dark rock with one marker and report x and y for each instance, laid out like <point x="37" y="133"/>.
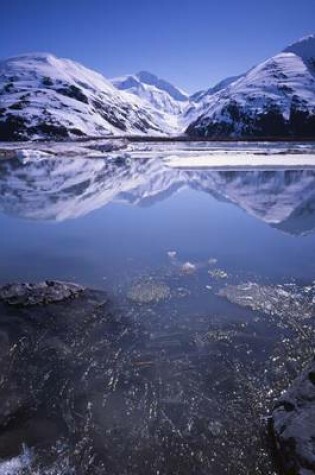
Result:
<point x="293" y="425"/>
<point x="13" y="128"/>
<point x="26" y="294"/>
<point x="74" y="92"/>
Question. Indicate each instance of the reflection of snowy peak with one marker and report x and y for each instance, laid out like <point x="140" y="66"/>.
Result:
<point x="44" y="96"/>
<point x="274" y="99"/>
<point x="272" y="196"/>
<point x="59" y="189"/>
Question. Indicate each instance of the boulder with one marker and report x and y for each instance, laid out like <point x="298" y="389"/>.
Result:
<point x="293" y="425"/>
<point x="27" y="294"/>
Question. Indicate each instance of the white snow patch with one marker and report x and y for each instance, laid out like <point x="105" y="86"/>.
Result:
<point x="240" y="160"/>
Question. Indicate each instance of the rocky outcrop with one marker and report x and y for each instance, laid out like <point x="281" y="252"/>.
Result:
<point x="26" y="294"/>
<point x="293" y="425"/>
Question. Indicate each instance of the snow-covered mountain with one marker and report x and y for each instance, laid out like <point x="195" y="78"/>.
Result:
<point x="149" y="86"/>
<point x="44" y="96"/>
<point x="60" y="189"/>
<point x="158" y="94"/>
<point x="274" y="99"/>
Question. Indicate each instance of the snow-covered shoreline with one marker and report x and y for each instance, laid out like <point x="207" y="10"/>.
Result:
<point x="178" y="155"/>
<point x="227" y="160"/>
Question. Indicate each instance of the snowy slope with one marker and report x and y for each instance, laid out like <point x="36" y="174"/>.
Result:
<point x="200" y="99"/>
<point x="158" y="94"/>
<point x="43" y="96"/>
<point x="201" y="95"/>
<point x="274" y="99"/>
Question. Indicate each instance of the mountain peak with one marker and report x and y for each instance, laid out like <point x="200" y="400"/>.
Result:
<point x="305" y="47"/>
<point x="157" y="93"/>
<point x="147" y="77"/>
<point x="38" y="57"/>
<point x="152" y="80"/>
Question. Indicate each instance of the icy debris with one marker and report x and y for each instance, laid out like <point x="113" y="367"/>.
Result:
<point x="218" y="274"/>
<point x="212" y="261"/>
<point x="284" y="301"/>
<point x="26" y="294"/>
<point x="172" y="254"/>
<point x="188" y="268"/>
<point x="29" y="151"/>
<point x="106" y="146"/>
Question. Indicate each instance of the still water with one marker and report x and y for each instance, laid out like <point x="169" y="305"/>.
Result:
<point x="98" y="223"/>
<point x="162" y="243"/>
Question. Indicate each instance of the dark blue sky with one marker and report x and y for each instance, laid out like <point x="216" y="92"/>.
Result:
<point x="191" y="43"/>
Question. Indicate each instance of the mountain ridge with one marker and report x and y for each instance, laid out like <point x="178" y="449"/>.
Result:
<point x="45" y="96"/>
<point x="42" y="96"/>
<point x="276" y="98"/>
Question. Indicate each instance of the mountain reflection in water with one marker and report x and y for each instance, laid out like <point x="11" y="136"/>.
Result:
<point x="59" y="189"/>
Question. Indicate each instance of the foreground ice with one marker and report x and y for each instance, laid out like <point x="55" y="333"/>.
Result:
<point x="178" y="154"/>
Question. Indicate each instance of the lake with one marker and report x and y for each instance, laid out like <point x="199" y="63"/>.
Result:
<point x="164" y="243"/>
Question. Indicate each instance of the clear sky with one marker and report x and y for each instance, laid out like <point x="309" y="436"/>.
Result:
<point x="192" y="43"/>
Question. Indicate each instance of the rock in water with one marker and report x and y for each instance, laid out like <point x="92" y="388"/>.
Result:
<point x="149" y="291"/>
<point x="26" y="294"/>
<point x="293" y="425"/>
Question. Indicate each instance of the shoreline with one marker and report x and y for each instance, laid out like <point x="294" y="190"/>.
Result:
<point x="181" y="154"/>
<point x="167" y="138"/>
